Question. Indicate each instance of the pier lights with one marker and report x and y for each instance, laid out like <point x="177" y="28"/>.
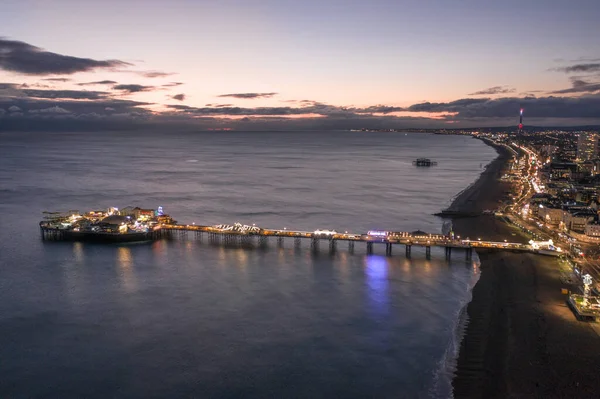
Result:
<point x="479" y="239"/>
<point x="193" y="224"/>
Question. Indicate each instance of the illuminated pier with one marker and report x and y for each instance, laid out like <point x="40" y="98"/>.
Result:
<point x="136" y="224"/>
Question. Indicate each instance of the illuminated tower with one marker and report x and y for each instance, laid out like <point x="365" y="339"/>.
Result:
<point x="521" y="122"/>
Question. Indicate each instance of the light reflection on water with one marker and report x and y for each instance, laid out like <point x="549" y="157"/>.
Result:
<point x="376" y="271"/>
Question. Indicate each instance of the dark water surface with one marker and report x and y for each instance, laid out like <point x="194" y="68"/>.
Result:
<point x="185" y="319"/>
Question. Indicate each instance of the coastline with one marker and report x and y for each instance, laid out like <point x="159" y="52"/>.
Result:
<point x="521" y="339"/>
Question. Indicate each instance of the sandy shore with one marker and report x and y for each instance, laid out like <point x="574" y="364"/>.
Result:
<point x="522" y="340"/>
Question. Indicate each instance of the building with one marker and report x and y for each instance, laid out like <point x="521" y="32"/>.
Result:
<point x="550" y="215"/>
<point x="592" y="230"/>
<point x="587" y="146"/>
<point x="576" y="219"/>
<point x="138" y="213"/>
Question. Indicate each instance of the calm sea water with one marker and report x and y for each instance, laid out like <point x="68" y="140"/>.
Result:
<point x="185" y="319"/>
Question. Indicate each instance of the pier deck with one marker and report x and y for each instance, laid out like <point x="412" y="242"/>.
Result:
<point x="226" y="236"/>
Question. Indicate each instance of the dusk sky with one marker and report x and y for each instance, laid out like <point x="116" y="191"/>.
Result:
<point x="299" y="64"/>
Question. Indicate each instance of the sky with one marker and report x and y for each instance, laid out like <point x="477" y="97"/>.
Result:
<point x="328" y="64"/>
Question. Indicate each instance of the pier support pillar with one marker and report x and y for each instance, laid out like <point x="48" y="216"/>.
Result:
<point x="314" y="244"/>
<point x="297" y="242"/>
<point x="428" y="252"/>
<point x="469" y="253"/>
<point x="262" y="241"/>
<point x="408" y="250"/>
<point x="280" y="242"/>
<point x="351" y="246"/>
<point x="369" y="248"/>
<point x="388" y="248"/>
<point x="332" y="244"/>
<point x="448" y="252"/>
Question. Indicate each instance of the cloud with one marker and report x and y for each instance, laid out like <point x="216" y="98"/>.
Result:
<point x="52" y="110"/>
<point x="589" y="67"/>
<point x="99" y="82"/>
<point x="148" y="74"/>
<point x="249" y="96"/>
<point x="172" y="84"/>
<point x="508" y="107"/>
<point x="57" y="79"/>
<point x="4" y="86"/>
<point x="77" y="107"/>
<point x="74" y="94"/>
<point x="178" y="97"/>
<point x="21" y="57"/>
<point x="312" y="108"/>
<point x="133" y="88"/>
<point x="588" y="88"/>
<point x="493" y="90"/>
<point x="155" y="74"/>
<point x="580" y="85"/>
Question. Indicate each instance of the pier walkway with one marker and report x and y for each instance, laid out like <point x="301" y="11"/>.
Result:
<point x="389" y="239"/>
<point x="242" y="235"/>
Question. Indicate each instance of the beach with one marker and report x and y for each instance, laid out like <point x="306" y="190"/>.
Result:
<point x="521" y="339"/>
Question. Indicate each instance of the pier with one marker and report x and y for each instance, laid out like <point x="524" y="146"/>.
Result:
<point x="119" y="228"/>
<point x="386" y="240"/>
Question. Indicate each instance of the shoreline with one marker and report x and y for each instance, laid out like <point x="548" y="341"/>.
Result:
<point x="520" y="339"/>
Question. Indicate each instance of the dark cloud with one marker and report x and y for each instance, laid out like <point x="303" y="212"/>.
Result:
<point x="133" y="88"/>
<point x="453" y="106"/>
<point x="51" y="110"/>
<point x="30" y="109"/>
<point x="57" y="79"/>
<point x="73" y="94"/>
<point x="493" y="90"/>
<point x="314" y="108"/>
<point x="172" y="84"/>
<point x="580" y="85"/>
<point x="14" y="90"/>
<point x="99" y="82"/>
<point x="4" y="86"/>
<point x="587" y="88"/>
<point x="249" y="96"/>
<point x="381" y="109"/>
<point x="24" y="58"/>
<point x="178" y="97"/>
<point x="589" y="67"/>
<point x="540" y="107"/>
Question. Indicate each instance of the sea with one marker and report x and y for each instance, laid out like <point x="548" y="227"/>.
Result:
<point x="182" y="318"/>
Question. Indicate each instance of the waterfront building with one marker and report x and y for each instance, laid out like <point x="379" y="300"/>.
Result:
<point x="587" y="146"/>
<point x="550" y="215"/>
<point x="592" y="229"/>
<point x="576" y="218"/>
